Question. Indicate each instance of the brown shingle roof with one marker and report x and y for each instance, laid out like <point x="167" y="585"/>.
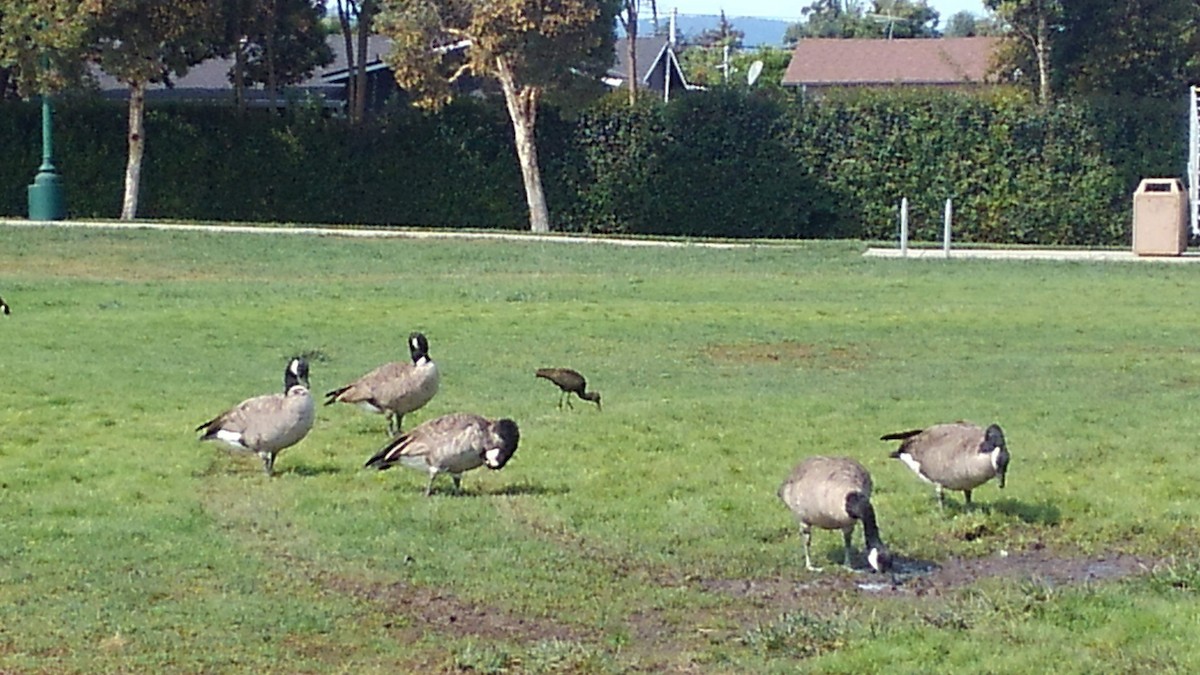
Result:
<point x="943" y="61"/>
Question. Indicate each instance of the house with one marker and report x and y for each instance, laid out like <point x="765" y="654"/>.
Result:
<point x="658" y="66"/>
<point x="822" y="63"/>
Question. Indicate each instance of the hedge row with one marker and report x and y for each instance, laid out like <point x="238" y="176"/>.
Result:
<point x="722" y="163"/>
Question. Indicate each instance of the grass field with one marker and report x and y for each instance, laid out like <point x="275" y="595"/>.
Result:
<point x="643" y="538"/>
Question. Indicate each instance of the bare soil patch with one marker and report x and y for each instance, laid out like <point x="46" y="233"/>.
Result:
<point x="421" y="610"/>
<point x="923" y="579"/>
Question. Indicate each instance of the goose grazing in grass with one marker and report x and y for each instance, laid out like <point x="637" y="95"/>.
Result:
<point x="394" y="389"/>
<point x="4" y="307"/>
<point x="452" y="444"/>
<point x="570" y="382"/>
<point x="834" y="493"/>
<point x="266" y="425"/>
<point x="959" y="456"/>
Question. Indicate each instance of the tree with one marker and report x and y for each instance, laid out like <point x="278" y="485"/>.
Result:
<point x="140" y="42"/>
<point x="628" y="16"/>
<point x="527" y="46"/>
<point x="42" y="43"/>
<point x="1033" y="24"/>
<point x="724" y="35"/>
<point x="287" y="44"/>
<point x="857" y="19"/>
<point x="1126" y="47"/>
<point x="961" y="24"/>
<point x="357" y="18"/>
<point x="706" y="66"/>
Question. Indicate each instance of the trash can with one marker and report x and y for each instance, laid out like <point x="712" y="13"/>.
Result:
<point x="1160" y="224"/>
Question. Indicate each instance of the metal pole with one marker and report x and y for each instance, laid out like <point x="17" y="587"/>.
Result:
<point x="904" y="227"/>
<point x="946" y="228"/>
<point x="45" y="193"/>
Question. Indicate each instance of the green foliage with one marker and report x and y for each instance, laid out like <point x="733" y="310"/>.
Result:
<point x="726" y="162"/>
<point x="1016" y="173"/>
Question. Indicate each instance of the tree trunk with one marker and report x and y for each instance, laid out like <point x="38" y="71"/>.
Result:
<point x="631" y="31"/>
<point x="269" y="49"/>
<point x="522" y="109"/>
<point x="343" y="10"/>
<point x="239" y="75"/>
<point x="366" y="13"/>
<point x="1041" y="49"/>
<point x="137" y="147"/>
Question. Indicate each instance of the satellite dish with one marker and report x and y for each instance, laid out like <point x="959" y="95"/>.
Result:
<point x="755" y="71"/>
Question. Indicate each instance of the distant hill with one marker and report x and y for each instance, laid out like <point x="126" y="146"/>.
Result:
<point x="759" y="32"/>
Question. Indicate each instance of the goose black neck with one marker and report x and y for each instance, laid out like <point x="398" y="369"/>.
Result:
<point x="870" y="527"/>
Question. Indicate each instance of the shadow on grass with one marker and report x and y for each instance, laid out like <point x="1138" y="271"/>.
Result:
<point x="1041" y="513"/>
<point x="514" y="490"/>
<point x="308" y="470"/>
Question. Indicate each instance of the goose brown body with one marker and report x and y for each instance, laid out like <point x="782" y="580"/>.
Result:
<point x="834" y="493"/>
<point x="394" y="389"/>
<point x="453" y="444"/>
<point x="267" y="425"/>
<point x="957" y="456"/>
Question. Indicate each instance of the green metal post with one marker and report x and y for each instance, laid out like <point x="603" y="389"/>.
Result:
<point x="45" y="193"/>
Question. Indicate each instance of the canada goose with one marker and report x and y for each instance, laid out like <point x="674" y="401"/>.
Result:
<point x="267" y="424"/>
<point x="4" y="307"/>
<point x="958" y="456"/>
<point x="451" y="444"/>
<point x="834" y="493"/>
<point x="570" y="382"/>
<point x="394" y="389"/>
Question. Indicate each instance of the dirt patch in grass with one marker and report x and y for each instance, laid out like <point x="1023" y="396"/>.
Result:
<point x="785" y="353"/>
<point x="420" y="611"/>
<point x="923" y="579"/>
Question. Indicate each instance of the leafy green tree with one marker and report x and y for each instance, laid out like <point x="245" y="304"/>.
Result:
<point x="140" y="42"/>
<point x="42" y="43"/>
<point x="287" y="45"/>
<point x="1127" y="47"/>
<point x="527" y="46"/>
<point x="961" y="24"/>
<point x="724" y="35"/>
<point x="858" y="19"/>
<point x="1033" y="26"/>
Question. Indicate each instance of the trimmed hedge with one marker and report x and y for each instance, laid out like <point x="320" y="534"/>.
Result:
<point x="726" y="162"/>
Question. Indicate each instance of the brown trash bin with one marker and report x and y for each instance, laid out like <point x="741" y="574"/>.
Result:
<point x="1160" y="224"/>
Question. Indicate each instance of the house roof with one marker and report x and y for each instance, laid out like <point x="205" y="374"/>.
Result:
<point x="916" y="61"/>
<point x="648" y="49"/>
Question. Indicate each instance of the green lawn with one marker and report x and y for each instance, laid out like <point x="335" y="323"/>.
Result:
<point x="646" y="537"/>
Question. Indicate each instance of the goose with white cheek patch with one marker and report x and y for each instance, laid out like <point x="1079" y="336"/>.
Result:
<point x="453" y="444"/>
<point x="959" y="456"/>
<point x="834" y="493"/>
<point x="394" y="389"/>
<point x="4" y="307"/>
<point x="267" y="425"/>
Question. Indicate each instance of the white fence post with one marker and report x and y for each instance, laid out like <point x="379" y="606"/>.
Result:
<point x="946" y="228"/>
<point x="904" y="227"/>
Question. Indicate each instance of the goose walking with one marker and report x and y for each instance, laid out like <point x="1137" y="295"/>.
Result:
<point x="958" y="456"/>
<point x="570" y="382"/>
<point x="267" y="425"/>
<point x="834" y="493"/>
<point x="394" y="389"/>
<point x="453" y="444"/>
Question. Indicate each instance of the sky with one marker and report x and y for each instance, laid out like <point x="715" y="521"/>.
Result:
<point x="790" y="9"/>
